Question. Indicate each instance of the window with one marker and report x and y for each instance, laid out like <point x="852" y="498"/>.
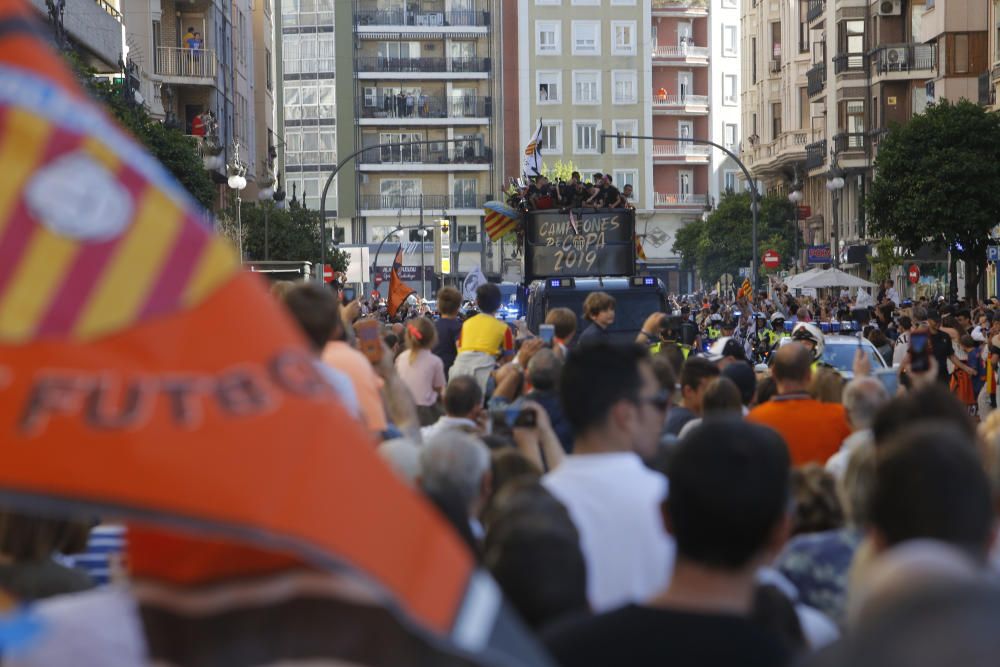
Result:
<point x="854" y="111"/>
<point x="625" y="84"/>
<point x="552" y="136"/>
<point x="730" y="136"/>
<point x="961" y="58"/>
<point x="549" y="87"/>
<point x="623" y="38"/>
<point x="586" y="38"/>
<point x="400" y="192"/>
<point x="242" y="37"/>
<point x="267" y="69"/>
<point x="625" y="144"/>
<point x="803" y="108"/>
<point x="729" y="90"/>
<point x="548" y="38"/>
<point x="623" y="177"/>
<point x="428" y="237"/>
<point x="157" y="40"/>
<point x="380" y="232"/>
<point x="730" y="4"/>
<point x="548" y="2"/>
<point x="776" y="40"/>
<point x="310" y="146"/>
<point x="623" y="2"/>
<point x="465" y="193"/>
<point x="585" y="136"/>
<point x="753" y="60"/>
<point x="853" y="37"/>
<point x="729" y="180"/>
<point x="586" y="87"/>
<point x="729" y="45"/>
<point x="775" y="120"/>
<point x="468" y="234"/>
<point x="399" y="152"/>
<point x="585" y="2"/>
<point x="803" y="26"/>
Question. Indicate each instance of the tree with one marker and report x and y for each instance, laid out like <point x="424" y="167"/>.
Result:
<point x="885" y="258"/>
<point x="559" y="171"/>
<point x="723" y="243"/>
<point x="292" y="233"/>
<point x="936" y="183"/>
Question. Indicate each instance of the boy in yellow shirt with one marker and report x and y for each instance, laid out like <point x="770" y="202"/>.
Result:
<point x="484" y="339"/>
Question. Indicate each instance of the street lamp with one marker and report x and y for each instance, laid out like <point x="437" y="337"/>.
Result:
<point x="237" y="181"/>
<point x="835" y="183"/>
<point x="795" y="196"/>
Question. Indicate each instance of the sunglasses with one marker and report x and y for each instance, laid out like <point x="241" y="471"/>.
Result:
<point x="660" y="400"/>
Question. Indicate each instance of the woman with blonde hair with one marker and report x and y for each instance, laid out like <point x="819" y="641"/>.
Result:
<point x="421" y="370"/>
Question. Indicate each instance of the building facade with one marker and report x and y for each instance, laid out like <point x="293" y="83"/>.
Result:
<point x="96" y="29"/>
<point x="181" y="80"/>
<point x="820" y="109"/>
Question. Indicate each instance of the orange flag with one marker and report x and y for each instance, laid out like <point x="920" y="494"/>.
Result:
<point x="145" y="377"/>
<point x="398" y="290"/>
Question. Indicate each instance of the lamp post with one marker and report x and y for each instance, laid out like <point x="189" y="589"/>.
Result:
<point x="795" y="196"/>
<point x="237" y="181"/>
<point x="835" y="183"/>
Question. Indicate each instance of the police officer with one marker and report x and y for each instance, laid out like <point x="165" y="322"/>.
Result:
<point x="714" y="331"/>
<point x="811" y="336"/>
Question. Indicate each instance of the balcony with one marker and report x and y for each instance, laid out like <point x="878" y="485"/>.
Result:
<point x="379" y="67"/>
<point x="816" y="79"/>
<point x="815" y="155"/>
<point x="680" y="7"/>
<point x="680" y="104"/>
<point x="185" y="66"/>
<point x="692" y="55"/>
<point x="849" y="62"/>
<point x="95" y="26"/>
<point x="850" y="142"/>
<point x="679" y="201"/>
<point x="681" y="153"/>
<point x="392" y="204"/>
<point x="902" y="61"/>
<point x="425" y="158"/>
<point x="383" y="109"/>
<point x="816" y="10"/>
<point x="374" y="20"/>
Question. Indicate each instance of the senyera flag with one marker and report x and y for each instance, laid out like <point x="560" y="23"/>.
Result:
<point x="145" y="377"/>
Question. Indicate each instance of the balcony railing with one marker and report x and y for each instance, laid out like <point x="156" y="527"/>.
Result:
<point x="816" y="155"/>
<point x="676" y="199"/>
<point x="816" y="79"/>
<point x="848" y="62"/>
<point x="662" y="51"/>
<point x="425" y="107"/>
<point x="426" y="19"/>
<point x="417" y="201"/>
<point x="175" y="61"/>
<point x="106" y="6"/>
<point x="680" y="100"/>
<point x="904" y="57"/>
<point x="816" y="9"/>
<point x="426" y="155"/>
<point x="679" y="5"/>
<point x="850" y="142"/>
<point x="683" y="150"/>
<point x="383" y="64"/>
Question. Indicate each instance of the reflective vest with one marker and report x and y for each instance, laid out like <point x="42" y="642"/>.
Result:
<point x="656" y="347"/>
<point x="713" y="333"/>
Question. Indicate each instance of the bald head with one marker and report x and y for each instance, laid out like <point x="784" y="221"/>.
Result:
<point x="792" y="364"/>
<point x="862" y="399"/>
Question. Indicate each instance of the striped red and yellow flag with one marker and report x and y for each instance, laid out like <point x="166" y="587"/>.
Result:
<point x="746" y="290"/>
<point x="640" y="253"/>
<point x="500" y="219"/>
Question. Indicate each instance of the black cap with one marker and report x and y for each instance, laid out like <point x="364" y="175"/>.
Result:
<point x="744" y="378"/>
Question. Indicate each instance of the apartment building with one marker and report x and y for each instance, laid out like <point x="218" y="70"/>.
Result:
<point x="633" y="68"/>
<point x="306" y="100"/>
<point x="95" y="28"/>
<point x="859" y="67"/>
<point x="180" y="82"/>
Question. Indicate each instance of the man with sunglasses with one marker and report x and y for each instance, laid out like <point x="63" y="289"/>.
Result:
<point x="616" y="409"/>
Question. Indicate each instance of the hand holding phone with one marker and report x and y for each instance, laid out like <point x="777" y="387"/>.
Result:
<point x="920" y="352"/>
<point x="547" y="332"/>
<point x="370" y="340"/>
<point x="349" y="294"/>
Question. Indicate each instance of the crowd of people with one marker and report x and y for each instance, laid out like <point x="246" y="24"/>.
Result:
<point x="644" y="503"/>
<point x="600" y="193"/>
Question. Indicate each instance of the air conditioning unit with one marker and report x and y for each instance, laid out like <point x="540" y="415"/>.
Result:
<point x="895" y="58"/>
<point x="890" y="7"/>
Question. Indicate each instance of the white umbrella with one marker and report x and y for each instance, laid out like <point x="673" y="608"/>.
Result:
<point x="794" y="282"/>
<point x="833" y="278"/>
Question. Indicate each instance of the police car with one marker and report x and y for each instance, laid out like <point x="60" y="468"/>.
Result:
<point x="840" y="344"/>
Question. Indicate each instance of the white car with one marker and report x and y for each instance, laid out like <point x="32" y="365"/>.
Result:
<point x="839" y="350"/>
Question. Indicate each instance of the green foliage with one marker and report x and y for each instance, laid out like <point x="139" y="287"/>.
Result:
<point x="885" y="258"/>
<point x="175" y="151"/>
<point x="936" y="182"/>
<point x="723" y="243"/>
<point x="560" y="170"/>
<point x="293" y="233"/>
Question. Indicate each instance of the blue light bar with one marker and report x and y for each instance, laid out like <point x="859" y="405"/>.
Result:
<point x="643" y="281"/>
<point x="562" y="283"/>
<point x="788" y="327"/>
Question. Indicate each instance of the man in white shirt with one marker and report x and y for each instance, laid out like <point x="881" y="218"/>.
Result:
<point x="616" y="408"/>
<point x="891" y="293"/>
<point x="463" y="403"/>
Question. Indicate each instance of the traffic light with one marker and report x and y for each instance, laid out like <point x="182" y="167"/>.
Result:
<point x="442" y="247"/>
